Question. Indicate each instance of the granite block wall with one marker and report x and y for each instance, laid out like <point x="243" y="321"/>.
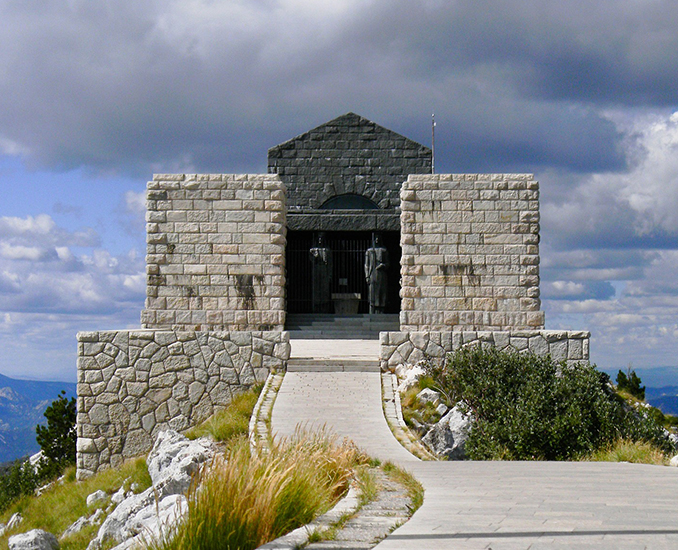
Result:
<point x="132" y="384"/>
<point x="470" y="252"/>
<point x="215" y="252"/>
<point x="349" y="154"/>
<point x="400" y="348"/>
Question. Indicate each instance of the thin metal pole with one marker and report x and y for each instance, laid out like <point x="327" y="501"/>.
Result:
<point x="433" y="143"/>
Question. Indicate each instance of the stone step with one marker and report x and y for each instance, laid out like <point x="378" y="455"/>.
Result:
<point x="332" y="365"/>
<point x="340" y="327"/>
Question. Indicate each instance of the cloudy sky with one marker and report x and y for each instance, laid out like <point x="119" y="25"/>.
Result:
<point x="97" y="96"/>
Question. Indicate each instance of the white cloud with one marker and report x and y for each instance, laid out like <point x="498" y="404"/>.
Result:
<point x="48" y="292"/>
<point x="136" y="203"/>
<point x="20" y="252"/>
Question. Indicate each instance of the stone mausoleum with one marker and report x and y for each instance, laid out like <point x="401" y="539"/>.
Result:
<point x="237" y="264"/>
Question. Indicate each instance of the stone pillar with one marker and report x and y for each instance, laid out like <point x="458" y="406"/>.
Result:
<point x="470" y="253"/>
<point x="215" y="252"/>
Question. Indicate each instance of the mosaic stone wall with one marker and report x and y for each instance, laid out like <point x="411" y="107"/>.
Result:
<point x="400" y="348"/>
<point x="132" y="384"/>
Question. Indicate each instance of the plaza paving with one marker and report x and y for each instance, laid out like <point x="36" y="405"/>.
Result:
<point x="497" y="505"/>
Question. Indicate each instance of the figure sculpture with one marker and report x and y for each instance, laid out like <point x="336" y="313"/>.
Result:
<point x="321" y="275"/>
<point x="376" y="273"/>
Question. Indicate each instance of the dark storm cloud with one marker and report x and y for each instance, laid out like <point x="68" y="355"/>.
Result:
<point x="211" y="86"/>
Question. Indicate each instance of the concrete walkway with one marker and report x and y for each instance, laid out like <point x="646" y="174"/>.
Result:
<point x="491" y="505"/>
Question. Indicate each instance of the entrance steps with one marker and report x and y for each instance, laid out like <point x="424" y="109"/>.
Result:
<point x="338" y="327"/>
<point x="332" y="365"/>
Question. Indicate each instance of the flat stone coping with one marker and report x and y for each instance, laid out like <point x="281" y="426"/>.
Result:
<point x="335" y="349"/>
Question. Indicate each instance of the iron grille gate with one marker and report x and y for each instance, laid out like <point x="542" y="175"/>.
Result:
<point x="348" y="272"/>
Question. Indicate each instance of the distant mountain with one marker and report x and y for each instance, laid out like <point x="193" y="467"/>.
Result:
<point x="664" y="398"/>
<point x="22" y="404"/>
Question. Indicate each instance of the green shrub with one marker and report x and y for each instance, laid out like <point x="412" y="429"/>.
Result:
<point x="58" y="438"/>
<point x="57" y="441"/>
<point x="531" y="408"/>
<point x="630" y="382"/>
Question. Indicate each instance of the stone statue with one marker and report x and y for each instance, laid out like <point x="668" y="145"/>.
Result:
<point x="376" y="268"/>
<point x="321" y="275"/>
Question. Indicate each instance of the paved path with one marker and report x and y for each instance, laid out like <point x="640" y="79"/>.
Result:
<point x="491" y="505"/>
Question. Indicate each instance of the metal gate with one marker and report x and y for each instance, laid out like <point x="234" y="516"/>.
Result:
<point x="348" y="267"/>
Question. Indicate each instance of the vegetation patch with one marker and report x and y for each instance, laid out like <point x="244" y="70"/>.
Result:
<point x="245" y="499"/>
<point x="638" y="452"/>
<point x="527" y="407"/>
<point x="233" y="421"/>
<point x="65" y="502"/>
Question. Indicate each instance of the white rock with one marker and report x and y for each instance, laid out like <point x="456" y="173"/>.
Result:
<point x="75" y="527"/>
<point x="37" y="539"/>
<point x="15" y="520"/>
<point x="174" y="460"/>
<point x="96" y="496"/>
<point x="118" y="496"/>
<point x="82" y="522"/>
<point x="441" y="409"/>
<point x="36" y="459"/>
<point x="408" y="375"/>
<point x="428" y="395"/>
<point x="448" y="437"/>
<point x="673" y="438"/>
<point x="674" y="461"/>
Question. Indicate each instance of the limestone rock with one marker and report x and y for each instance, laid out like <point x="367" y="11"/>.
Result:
<point x="174" y="460"/>
<point x="408" y="376"/>
<point x="673" y="438"/>
<point x="448" y="437"/>
<point x="674" y="461"/>
<point x="171" y="465"/>
<point x="96" y="496"/>
<point x="11" y="524"/>
<point x="441" y="409"/>
<point x="83" y="522"/>
<point x="37" y="539"/>
<point x="428" y="395"/>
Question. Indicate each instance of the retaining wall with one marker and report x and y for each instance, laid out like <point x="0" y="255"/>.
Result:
<point x="399" y="348"/>
<point x="132" y="384"/>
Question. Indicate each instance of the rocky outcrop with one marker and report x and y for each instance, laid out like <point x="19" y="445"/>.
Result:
<point x="37" y="539"/>
<point x="172" y="463"/>
<point x="448" y="437"/>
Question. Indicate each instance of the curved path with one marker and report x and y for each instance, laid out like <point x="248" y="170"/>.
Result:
<point x="491" y="505"/>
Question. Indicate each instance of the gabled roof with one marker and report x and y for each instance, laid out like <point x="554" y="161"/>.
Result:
<point x="353" y="123"/>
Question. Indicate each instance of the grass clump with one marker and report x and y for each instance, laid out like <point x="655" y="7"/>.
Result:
<point x="622" y="450"/>
<point x="233" y="421"/>
<point x="527" y="407"/>
<point x="61" y="505"/>
<point x="245" y="500"/>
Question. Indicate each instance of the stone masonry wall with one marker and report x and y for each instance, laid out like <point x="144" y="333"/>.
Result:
<point x="132" y="384"/>
<point x="470" y="252"/>
<point x="400" y="348"/>
<point x="349" y="154"/>
<point x="215" y="252"/>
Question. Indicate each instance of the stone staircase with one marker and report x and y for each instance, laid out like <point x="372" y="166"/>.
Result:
<point x="339" y="327"/>
<point x="308" y="364"/>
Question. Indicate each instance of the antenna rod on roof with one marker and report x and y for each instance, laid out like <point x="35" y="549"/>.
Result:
<point x="433" y="143"/>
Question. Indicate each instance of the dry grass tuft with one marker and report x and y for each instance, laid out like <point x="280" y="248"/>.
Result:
<point x="245" y="500"/>
<point x="638" y="452"/>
